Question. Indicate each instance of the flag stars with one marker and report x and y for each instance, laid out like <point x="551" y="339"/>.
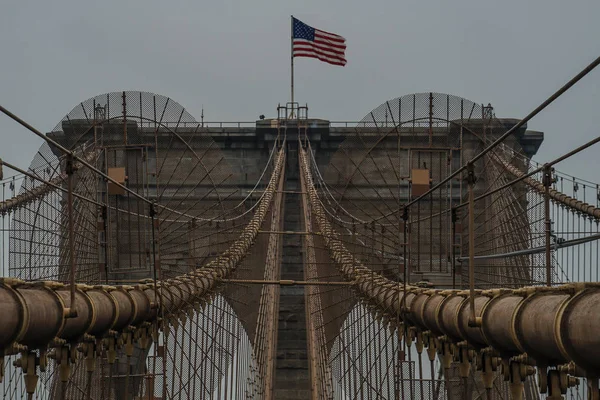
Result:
<point x="303" y="31"/>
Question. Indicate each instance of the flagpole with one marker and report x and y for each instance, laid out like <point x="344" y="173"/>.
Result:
<point x="292" y="60"/>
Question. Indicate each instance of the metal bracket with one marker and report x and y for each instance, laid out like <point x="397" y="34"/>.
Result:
<point x="70" y="164"/>
<point x="471" y="178"/>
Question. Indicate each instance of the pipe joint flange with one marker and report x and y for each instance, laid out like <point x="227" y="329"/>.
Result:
<point x="11" y="282"/>
<point x="446" y="352"/>
<point x="112" y="333"/>
<point x="84" y="287"/>
<point x="517" y="373"/>
<point x="143" y="337"/>
<point x="52" y="285"/>
<point x="464" y="356"/>
<point x="110" y="345"/>
<point x="486" y="364"/>
<point x="88" y="338"/>
<point x="523" y="359"/>
<point x="57" y="342"/>
<point x="420" y="340"/>
<point x="64" y="356"/>
<point x="90" y="353"/>
<point x="448" y="292"/>
<point x="523" y="292"/>
<point x="558" y="383"/>
<point x="493" y="293"/>
<point x="467" y="293"/>
<point x="432" y="345"/>
<point x="107" y="288"/>
<point x="399" y="328"/>
<point x="127" y="342"/>
<point x="29" y="363"/>
<point x="542" y="378"/>
<point x="411" y="335"/>
<point x="14" y="348"/>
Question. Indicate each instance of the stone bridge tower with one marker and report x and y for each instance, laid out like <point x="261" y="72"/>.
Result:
<point x="393" y="155"/>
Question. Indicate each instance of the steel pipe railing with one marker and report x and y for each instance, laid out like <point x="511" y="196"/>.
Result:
<point x="545" y="326"/>
<point x="38" y="315"/>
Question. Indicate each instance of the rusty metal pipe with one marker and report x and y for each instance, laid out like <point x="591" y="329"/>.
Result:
<point x="497" y="322"/>
<point x="34" y="314"/>
<point x="82" y="308"/>
<point x="430" y="313"/>
<point x="534" y="325"/>
<point x="15" y="318"/>
<point x="513" y="321"/>
<point x="448" y="316"/>
<point x="469" y="332"/>
<point x="105" y="310"/>
<point x="576" y="328"/>
<point x="126" y="307"/>
<point x="46" y="311"/>
<point x="143" y="306"/>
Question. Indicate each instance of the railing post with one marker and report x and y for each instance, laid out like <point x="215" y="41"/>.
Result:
<point x="547" y="181"/>
<point x="104" y="213"/>
<point x="473" y="320"/>
<point x="404" y="257"/>
<point x="152" y="214"/>
<point x="454" y="216"/>
<point x="70" y="170"/>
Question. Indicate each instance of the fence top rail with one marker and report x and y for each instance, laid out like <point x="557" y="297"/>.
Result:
<point x="331" y="124"/>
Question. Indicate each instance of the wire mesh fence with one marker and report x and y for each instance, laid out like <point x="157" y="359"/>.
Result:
<point x="397" y="193"/>
<point x="180" y="204"/>
<point x="145" y="194"/>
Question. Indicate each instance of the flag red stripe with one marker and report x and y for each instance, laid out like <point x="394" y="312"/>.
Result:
<point x="329" y="44"/>
<point x="328" y="61"/>
<point x="312" y="54"/>
<point x="319" y="52"/>
<point x="330" y="36"/>
<point x="302" y="53"/>
<point x="310" y="45"/>
<point x="322" y="44"/>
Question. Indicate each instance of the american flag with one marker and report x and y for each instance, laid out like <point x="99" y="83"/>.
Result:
<point x="315" y="43"/>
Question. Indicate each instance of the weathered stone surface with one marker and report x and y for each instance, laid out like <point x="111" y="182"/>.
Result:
<point x="291" y="373"/>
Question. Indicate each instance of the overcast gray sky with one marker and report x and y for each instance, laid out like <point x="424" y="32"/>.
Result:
<point x="233" y="57"/>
